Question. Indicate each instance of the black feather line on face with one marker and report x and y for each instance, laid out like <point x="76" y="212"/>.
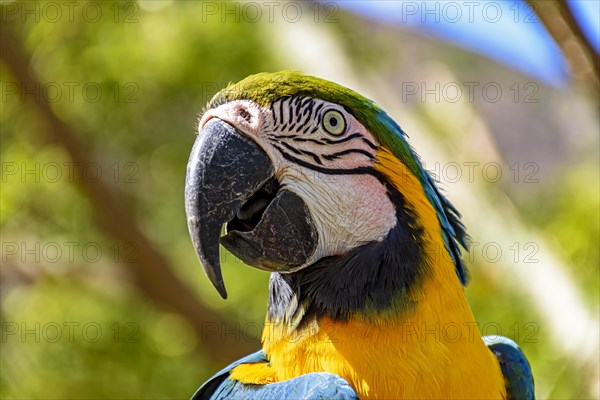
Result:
<point x="281" y="112"/>
<point x="330" y="171"/>
<point x="369" y="279"/>
<point x="298" y="151"/>
<point x="339" y="154"/>
<point x="274" y="114"/>
<point x="311" y="140"/>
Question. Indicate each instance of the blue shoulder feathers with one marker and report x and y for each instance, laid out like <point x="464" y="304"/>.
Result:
<point x="318" y="385"/>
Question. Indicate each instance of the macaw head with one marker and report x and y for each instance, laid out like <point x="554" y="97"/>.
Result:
<point x="318" y="185"/>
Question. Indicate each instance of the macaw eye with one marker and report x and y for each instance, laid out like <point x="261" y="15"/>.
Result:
<point x="334" y="122"/>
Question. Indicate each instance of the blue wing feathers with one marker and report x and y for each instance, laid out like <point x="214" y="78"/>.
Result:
<point x="514" y="366"/>
<point x="210" y="386"/>
<point x="318" y="385"/>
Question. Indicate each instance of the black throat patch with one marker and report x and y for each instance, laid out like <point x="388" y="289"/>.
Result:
<point x="367" y="280"/>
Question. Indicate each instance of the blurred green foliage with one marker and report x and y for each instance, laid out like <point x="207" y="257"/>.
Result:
<point x="155" y="76"/>
<point x="563" y="216"/>
<point x="155" y="73"/>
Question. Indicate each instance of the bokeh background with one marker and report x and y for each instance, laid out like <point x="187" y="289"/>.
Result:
<point x="102" y="294"/>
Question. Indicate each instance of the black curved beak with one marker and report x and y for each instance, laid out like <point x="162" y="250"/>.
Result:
<point x="224" y="170"/>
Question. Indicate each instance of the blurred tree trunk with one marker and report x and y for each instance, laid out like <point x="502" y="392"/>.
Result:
<point x="151" y="271"/>
<point x="559" y="21"/>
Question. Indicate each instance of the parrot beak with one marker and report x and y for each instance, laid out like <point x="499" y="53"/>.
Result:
<point x="230" y="180"/>
<point x="224" y="170"/>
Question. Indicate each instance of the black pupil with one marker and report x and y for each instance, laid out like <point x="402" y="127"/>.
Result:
<point x="333" y="121"/>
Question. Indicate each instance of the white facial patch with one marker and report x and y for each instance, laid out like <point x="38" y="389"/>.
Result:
<point x="325" y="167"/>
<point x="348" y="210"/>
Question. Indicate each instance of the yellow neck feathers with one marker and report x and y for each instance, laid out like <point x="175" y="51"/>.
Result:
<point x="431" y="350"/>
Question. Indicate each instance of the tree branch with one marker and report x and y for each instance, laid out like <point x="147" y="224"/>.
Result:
<point x="559" y="21"/>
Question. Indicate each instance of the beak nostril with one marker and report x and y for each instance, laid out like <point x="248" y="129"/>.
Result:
<point x="245" y="114"/>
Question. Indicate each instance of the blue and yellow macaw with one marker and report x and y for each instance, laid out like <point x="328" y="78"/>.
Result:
<point x="318" y="185"/>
